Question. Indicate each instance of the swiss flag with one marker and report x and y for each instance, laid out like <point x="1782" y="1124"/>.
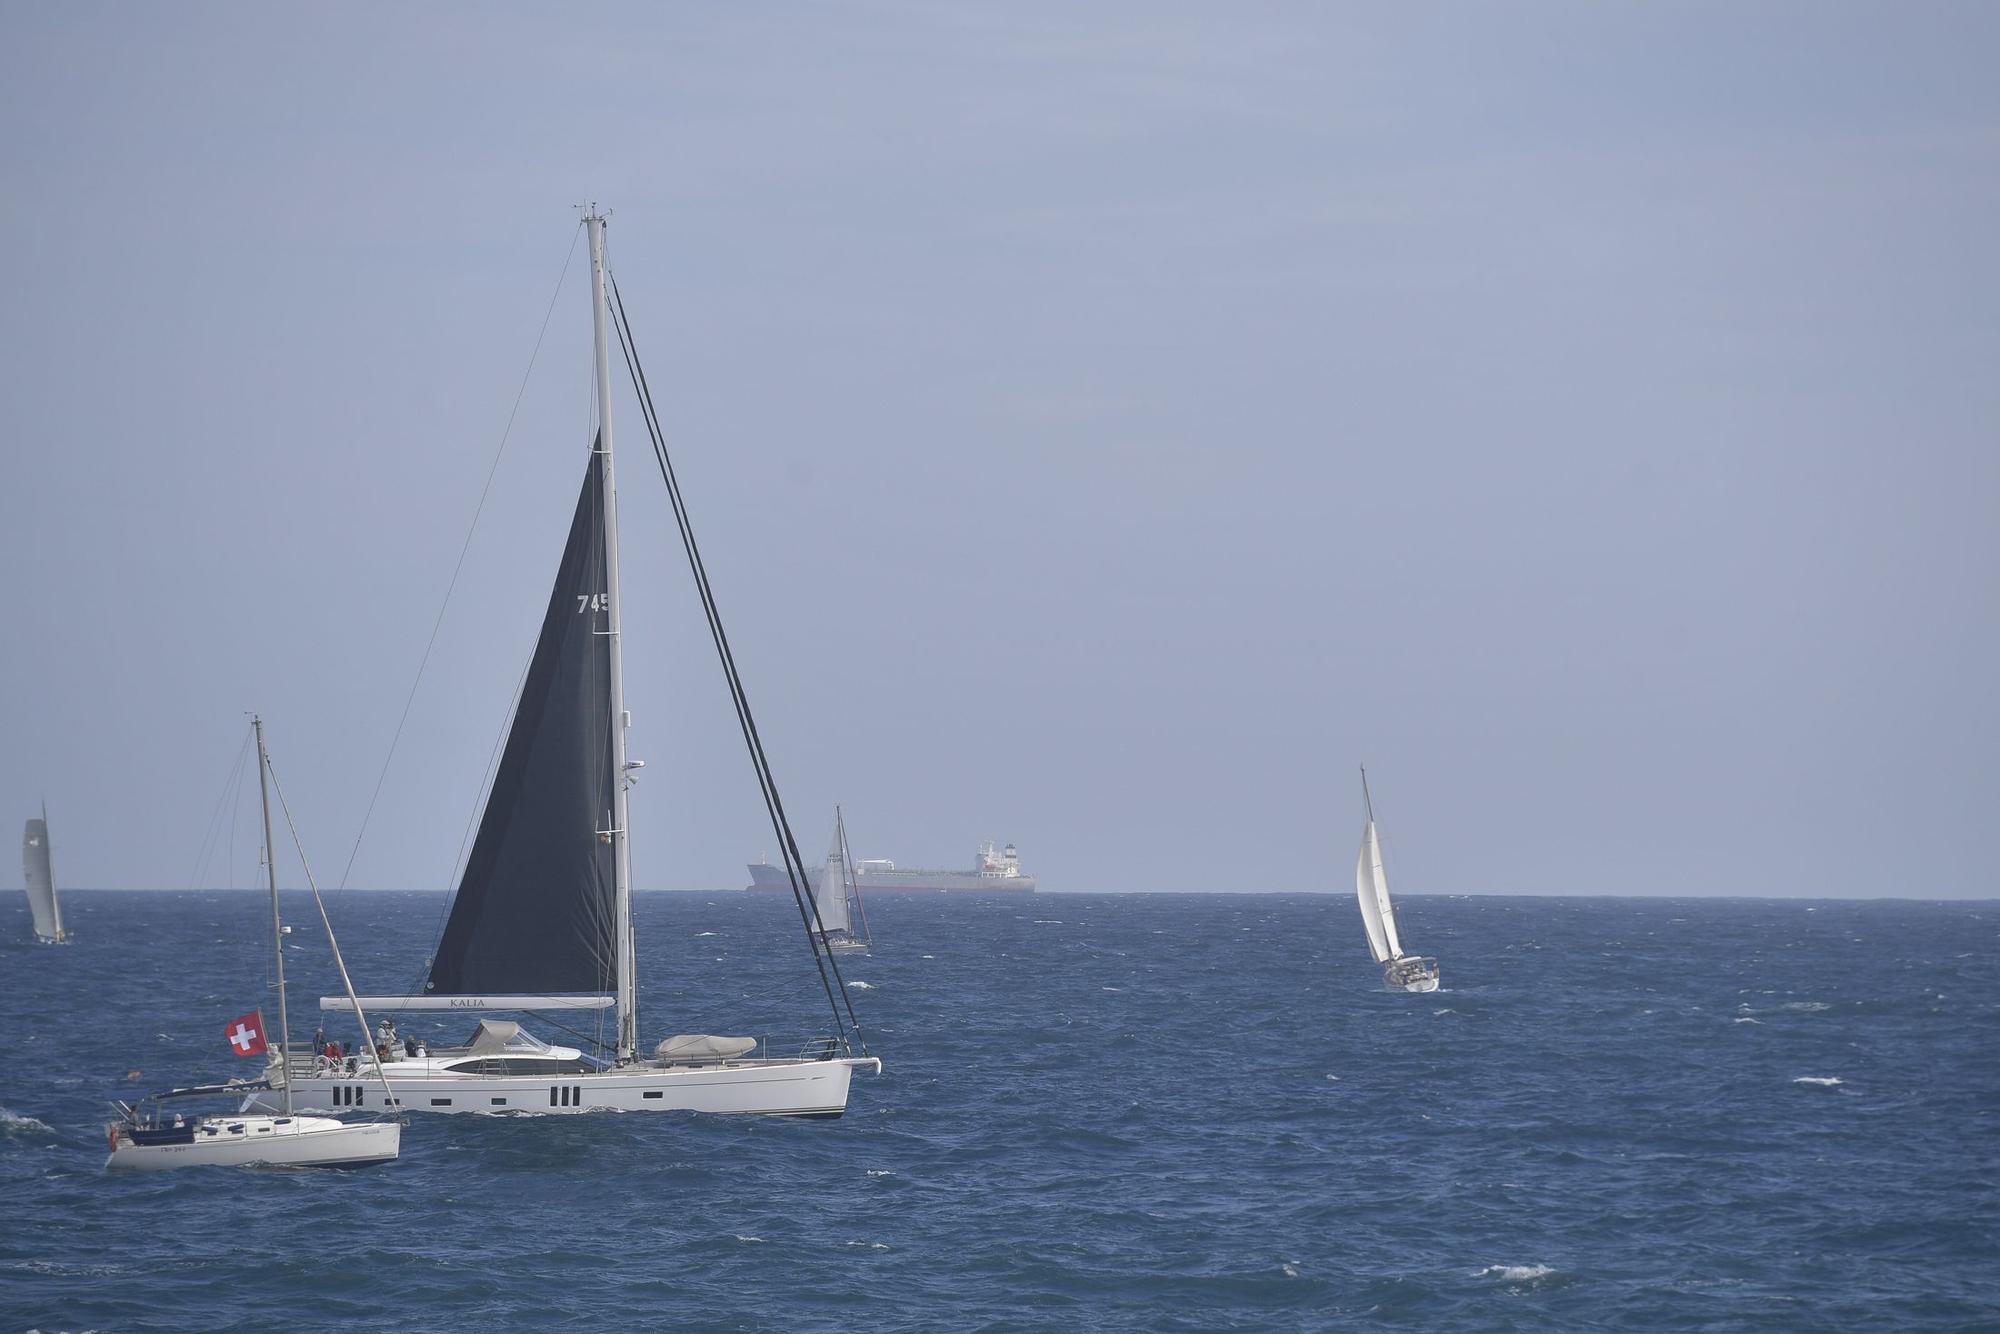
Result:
<point x="246" y="1034"/>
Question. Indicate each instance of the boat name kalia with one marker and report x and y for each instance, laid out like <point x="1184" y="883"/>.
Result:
<point x="542" y="917"/>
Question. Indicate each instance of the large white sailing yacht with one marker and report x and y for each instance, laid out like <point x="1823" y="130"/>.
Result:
<point x="542" y="918"/>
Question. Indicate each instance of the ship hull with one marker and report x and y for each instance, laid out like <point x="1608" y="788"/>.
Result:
<point x="763" y="875"/>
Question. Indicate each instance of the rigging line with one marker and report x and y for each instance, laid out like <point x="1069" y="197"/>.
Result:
<point x="235" y="809"/>
<point x="774" y="807"/>
<point x="457" y="568"/>
<point x="781" y="825"/>
<point x="332" y="941"/>
<point x="788" y="847"/>
<point x="853" y="877"/>
<point x="598" y="1041"/>
<point x="206" y="852"/>
<point x="794" y="867"/>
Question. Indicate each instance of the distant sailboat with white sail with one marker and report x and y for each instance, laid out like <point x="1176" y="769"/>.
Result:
<point x="839" y="896"/>
<point x="156" y="1134"/>
<point x="1400" y="971"/>
<point x="38" y="874"/>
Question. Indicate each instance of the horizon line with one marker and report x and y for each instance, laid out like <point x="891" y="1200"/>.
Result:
<point x="1005" y="895"/>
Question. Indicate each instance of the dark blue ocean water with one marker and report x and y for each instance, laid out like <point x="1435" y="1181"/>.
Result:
<point x="1098" y="1112"/>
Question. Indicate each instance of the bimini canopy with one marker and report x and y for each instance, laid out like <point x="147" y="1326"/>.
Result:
<point x="501" y="1037"/>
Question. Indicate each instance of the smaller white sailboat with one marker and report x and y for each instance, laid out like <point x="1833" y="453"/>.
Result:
<point x="154" y="1134"/>
<point x="38" y="876"/>
<point x="1400" y="971"/>
<point x="838" y="899"/>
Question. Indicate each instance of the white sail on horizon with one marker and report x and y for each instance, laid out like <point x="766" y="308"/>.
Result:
<point x="38" y="877"/>
<point x="1371" y="886"/>
<point x="831" y="896"/>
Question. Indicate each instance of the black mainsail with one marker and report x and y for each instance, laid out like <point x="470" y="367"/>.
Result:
<point x="536" y="910"/>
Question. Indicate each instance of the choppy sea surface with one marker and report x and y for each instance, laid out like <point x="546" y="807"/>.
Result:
<point x="1147" y="1112"/>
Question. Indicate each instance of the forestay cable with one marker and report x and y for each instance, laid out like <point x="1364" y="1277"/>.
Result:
<point x="802" y="893"/>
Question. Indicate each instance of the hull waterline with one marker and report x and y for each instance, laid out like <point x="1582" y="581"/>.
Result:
<point x="808" y="1088"/>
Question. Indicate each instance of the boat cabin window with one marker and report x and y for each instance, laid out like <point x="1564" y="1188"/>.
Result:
<point x="518" y="1065"/>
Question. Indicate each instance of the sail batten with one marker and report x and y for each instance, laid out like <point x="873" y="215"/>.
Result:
<point x="536" y="910"/>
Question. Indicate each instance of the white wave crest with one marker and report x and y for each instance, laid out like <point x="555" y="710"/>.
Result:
<point x="699" y="934"/>
<point x="1745" y="1019"/>
<point x="1810" y="1007"/>
<point x="880" y="1172"/>
<point x="1823" y="1081"/>
<point x="1517" y="1273"/>
<point x="747" y="1241"/>
<point x="12" y="1123"/>
<point x="862" y="986"/>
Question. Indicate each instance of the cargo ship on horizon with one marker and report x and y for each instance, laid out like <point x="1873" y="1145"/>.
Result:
<point x="992" y="873"/>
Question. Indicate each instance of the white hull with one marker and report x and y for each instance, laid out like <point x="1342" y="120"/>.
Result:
<point x="264" y="1141"/>
<point x="1410" y="974"/>
<point x="807" y="1088"/>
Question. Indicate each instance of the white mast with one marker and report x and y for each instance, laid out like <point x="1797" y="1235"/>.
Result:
<point x="621" y="854"/>
<point x="277" y="925"/>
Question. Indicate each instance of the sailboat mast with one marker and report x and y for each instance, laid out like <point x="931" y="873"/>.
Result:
<point x="1367" y="800"/>
<point x="277" y="925"/>
<point x="621" y="855"/>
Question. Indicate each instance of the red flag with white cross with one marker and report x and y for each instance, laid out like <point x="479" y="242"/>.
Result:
<point x="246" y="1034"/>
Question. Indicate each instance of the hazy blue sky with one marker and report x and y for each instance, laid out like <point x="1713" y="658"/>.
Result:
<point x="1107" y="424"/>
